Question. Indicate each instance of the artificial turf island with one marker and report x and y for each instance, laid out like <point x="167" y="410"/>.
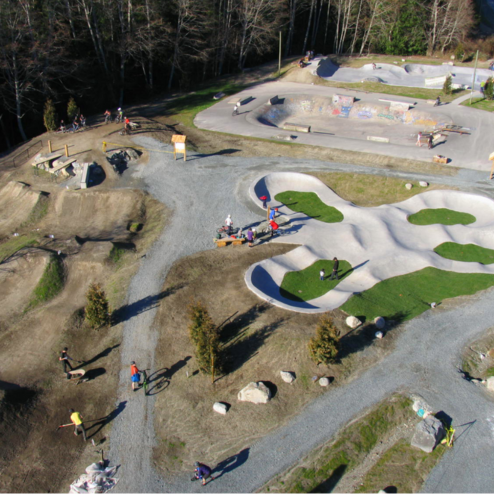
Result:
<point x="465" y="252"/>
<point x="304" y="285"/>
<point x="440" y="216"/>
<point x="309" y="203"/>
<point x="405" y="297"/>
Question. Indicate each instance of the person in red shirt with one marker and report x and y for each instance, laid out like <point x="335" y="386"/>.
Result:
<point x="134" y="376"/>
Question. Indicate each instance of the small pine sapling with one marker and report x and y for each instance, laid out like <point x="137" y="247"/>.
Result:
<point x="324" y="347"/>
<point x="50" y="116"/>
<point x="97" y="308"/>
<point x="448" y="85"/>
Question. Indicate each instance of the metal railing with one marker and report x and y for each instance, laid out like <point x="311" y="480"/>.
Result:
<point x="23" y="156"/>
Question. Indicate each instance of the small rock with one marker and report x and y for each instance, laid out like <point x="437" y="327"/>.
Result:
<point x="288" y="377"/>
<point x="220" y="408"/>
<point x="490" y="383"/>
<point x="428" y="433"/>
<point x="379" y="322"/>
<point x="255" y="393"/>
<point x="433" y="305"/>
<point x="409" y="186"/>
<point x="324" y="381"/>
<point x="420" y="404"/>
<point x="379" y="335"/>
<point x="424" y="184"/>
<point x="353" y="322"/>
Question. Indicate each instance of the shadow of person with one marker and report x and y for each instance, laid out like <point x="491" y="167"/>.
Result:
<point x="99" y="424"/>
<point x="100" y="355"/>
<point x="94" y="373"/>
<point x="230" y="463"/>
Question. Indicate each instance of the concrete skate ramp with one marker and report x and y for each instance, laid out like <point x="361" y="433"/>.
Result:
<point x="17" y="200"/>
<point x="379" y="243"/>
<point x="318" y="111"/>
<point x="409" y="74"/>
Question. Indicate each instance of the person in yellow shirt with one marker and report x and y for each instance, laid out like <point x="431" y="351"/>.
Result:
<point x="76" y="419"/>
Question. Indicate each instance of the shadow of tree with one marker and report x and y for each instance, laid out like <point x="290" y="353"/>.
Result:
<point x="230" y="463"/>
<point x="329" y="484"/>
<point x="360" y="338"/>
<point x="237" y="326"/>
<point x="128" y="311"/>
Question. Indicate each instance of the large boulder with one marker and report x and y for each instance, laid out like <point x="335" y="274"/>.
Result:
<point x="409" y="186"/>
<point x="288" y="377"/>
<point x="428" y="433"/>
<point x="255" y="393"/>
<point x="379" y="322"/>
<point x="353" y="322"/>
<point x="490" y="383"/>
<point x="324" y="381"/>
<point x="220" y="408"/>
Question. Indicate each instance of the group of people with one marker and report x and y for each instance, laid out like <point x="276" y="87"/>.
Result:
<point x="334" y="274"/>
<point x="119" y="118"/>
<point x="78" y="123"/>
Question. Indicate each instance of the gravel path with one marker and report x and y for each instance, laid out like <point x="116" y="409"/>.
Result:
<point x="423" y="362"/>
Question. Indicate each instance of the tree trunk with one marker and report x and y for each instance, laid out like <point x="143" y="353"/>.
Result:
<point x="355" y="34"/>
<point x="316" y="26"/>
<point x="18" y="97"/>
<point x="327" y="25"/>
<point x="308" y="26"/>
<point x="289" y="38"/>
<point x="4" y="132"/>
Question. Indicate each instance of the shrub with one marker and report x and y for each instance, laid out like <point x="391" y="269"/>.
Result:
<point x="50" y="116"/>
<point x="72" y="109"/>
<point x="447" y="87"/>
<point x="489" y="89"/>
<point x="205" y="336"/>
<point x="324" y="347"/>
<point x="97" y="308"/>
<point x="459" y="52"/>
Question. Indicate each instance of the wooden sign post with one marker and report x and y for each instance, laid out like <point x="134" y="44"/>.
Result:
<point x="179" y="145"/>
<point x="491" y="158"/>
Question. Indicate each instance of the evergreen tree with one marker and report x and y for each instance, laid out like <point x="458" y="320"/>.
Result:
<point x="447" y="87"/>
<point x="205" y="336"/>
<point x="459" y="52"/>
<point x="97" y="308"/>
<point x="72" y="109"/>
<point x="324" y="347"/>
<point x="50" y="116"/>
<point x="489" y="89"/>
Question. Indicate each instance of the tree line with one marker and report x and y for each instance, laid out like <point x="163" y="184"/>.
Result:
<point x="111" y="52"/>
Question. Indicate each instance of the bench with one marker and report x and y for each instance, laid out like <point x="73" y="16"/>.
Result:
<point x="401" y="105"/>
<point x="223" y="242"/>
<point x="454" y="128"/>
<point x="60" y="165"/>
<point x="440" y="159"/>
<point x="85" y="175"/>
<point x="44" y="159"/>
<point x="296" y="127"/>
<point x="377" y="139"/>
<point x="274" y="100"/>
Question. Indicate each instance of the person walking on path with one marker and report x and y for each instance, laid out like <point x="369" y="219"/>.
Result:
<point x="272" y="214"/>
<point x="202" y="472"/>
<point x="429" y="142"/>
<point x="419" y="137"/>
<point x="135" y="376"/>
<point x="336" y="265"/>
<point x="322" y="274"/>
<point x="264" y="200"/>
<point x="76" y="419"/>
<point x="64" y="358"/>
<point x="229" y="223"/>
<point x="482" y="86"/>
<point x="250" y="236"/>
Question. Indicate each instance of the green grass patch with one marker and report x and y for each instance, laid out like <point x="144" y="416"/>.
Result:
<point x="404" y="297"/>
<point x="324" y="467"/>
<point x="38" y="212"/>
<point x="403" y="467"/>
<point x="116" y="254"/>
<point x="12" y="245"/>
<point x="305" y="285"/>
<point x="489" y="372"/>
<point x="186" y="107"/>
<point x="309" y="203"/>
<point x="441" y="216"/>
<point x="480" y="104"/>
<point x="50" y="283"/>
<point x="465" y="252"/>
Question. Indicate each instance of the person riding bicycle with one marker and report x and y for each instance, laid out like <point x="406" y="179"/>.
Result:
<point x="438" y="101"/>
<point x="75" y="124"/>
<point x="235" y="109"/>
<point x="202" y="472"/>
<point x="127" y="125"/>
<point x="62" y="126"/>
<point x="120" y="115"/>
<point x="107" y="116"/>
<point x="83" y="120"/>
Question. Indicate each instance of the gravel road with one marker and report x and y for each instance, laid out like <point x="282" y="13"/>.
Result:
<point x="201" y="192"/>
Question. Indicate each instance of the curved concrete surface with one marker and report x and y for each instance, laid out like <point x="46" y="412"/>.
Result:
<point x="378" y="242"/>
<point x="409" y="74"/>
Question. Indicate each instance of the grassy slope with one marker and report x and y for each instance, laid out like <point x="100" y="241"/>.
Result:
<point x="305" y="284"/>
<point x="441" y="216"/>
<point x="309" y="204"/>
<point x="50" y="283"/>
<point x="465" y="252"/>
<point x="480" y="104"/>
<point x="405" y="297"/>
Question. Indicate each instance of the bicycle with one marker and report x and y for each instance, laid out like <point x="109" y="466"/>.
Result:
<point x="224" y="230"/>
<point x="119" y="118"/>
<point x="235" y="112"/>
<point x="145" y="382"/>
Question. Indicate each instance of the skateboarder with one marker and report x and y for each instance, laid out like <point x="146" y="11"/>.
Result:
<point x="76" y="419"/>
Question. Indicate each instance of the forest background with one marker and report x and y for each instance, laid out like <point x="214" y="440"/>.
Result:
<point x="107" y="53"/>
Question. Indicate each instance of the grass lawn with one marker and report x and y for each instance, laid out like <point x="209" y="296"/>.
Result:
<point x="304" y="285"/>
<point x="441" y="216"/>
<point x="370" y="190"/>
<point x="404" y="297"/>
<point x="465" y="252"/>
<point x="14" y="244"/>
<point x="323" y="468"/>
<point x="309" y="204"/>
<point x="398" y="467"/>
<point x="480" y="104"/>
<point x="50" y="284"/>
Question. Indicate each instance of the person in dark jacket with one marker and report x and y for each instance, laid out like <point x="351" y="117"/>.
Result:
<point x="202" y="472"/>
<point x="336" y="265"/>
